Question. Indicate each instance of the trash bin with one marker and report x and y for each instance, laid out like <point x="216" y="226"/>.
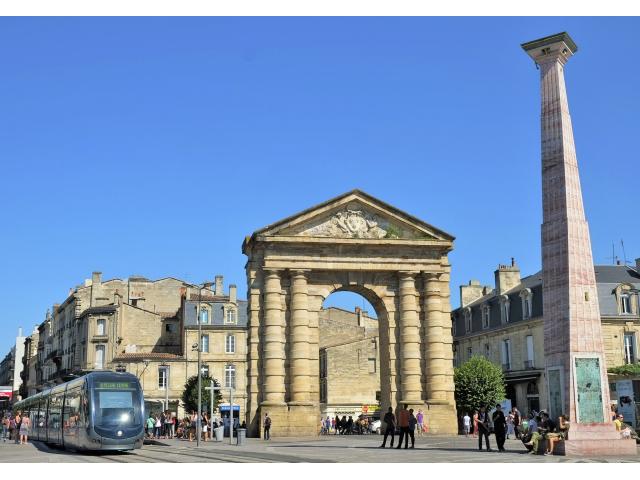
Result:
<point x="219" y="433"/>
<point x="241" y="436"/>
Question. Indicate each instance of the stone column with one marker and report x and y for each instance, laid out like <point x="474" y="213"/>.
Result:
<point x="300" y="338"/>
<point x="274" y="341"/>
<point x="433" y="330"/>
<point x="410" y="340"/>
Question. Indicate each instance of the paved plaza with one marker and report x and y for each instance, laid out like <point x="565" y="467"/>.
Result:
<point x="330" y="449"/>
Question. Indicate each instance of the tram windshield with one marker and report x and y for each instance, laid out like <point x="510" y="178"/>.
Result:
<point x="117" y="405"/>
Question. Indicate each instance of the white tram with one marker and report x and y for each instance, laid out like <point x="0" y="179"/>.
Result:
<point x="99" y="411"/>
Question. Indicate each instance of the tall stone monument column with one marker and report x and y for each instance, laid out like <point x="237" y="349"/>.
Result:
<point x="410" y="340"/>
<point x="575" y="367"/>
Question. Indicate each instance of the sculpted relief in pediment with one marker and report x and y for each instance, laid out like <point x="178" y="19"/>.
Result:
<point x="353" y="221"/>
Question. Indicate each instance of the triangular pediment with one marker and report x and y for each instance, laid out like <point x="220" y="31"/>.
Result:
<point x="355" y="215"/>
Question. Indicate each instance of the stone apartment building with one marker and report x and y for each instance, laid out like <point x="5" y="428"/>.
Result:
<point x="29" y="383"/>
<point x="142" y="326"/>
<point x="11" y="367"/>
<point x="505" y="325"/>
<point x="349" y="363"/>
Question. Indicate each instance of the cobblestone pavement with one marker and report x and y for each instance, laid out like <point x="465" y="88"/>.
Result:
<point x="340" y="449"/>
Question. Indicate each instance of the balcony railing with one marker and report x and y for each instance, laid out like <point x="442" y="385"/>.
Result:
<point x="506" y="367"/>
<point x="528" y="365"/>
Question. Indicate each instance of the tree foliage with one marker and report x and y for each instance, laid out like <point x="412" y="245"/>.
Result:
<point x="478" y="383"/>
<point x="190" y="394"/>
<point x="630" y="370"/>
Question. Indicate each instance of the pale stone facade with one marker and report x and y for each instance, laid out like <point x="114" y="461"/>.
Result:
<point x="510" y="320"/>
<point x="351" y="243"/>
<point x="349" y="363"/>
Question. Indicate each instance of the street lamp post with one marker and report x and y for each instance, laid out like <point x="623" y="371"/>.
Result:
<point x="213" y="389"/>
<point x="199" y="416"/>
<point x="166" y="385"/>
<point x="231" y="389"/>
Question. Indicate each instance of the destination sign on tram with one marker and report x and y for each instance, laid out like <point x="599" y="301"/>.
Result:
<point x="114" y="385"/>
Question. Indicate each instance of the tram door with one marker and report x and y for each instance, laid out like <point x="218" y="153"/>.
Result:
<point x="54" y="418"/>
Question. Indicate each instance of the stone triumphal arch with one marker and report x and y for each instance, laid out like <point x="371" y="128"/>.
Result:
<point x="357" y="243"/>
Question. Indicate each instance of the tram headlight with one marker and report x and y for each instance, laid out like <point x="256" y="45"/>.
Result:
<point x="124" y="417"/>
<point x="119" y="433"/>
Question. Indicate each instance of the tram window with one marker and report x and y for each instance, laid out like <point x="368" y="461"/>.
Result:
<point x="42" y="411"/>
<point x="72" y="409"/>
<point x="117" y="408"/>
<point x="54" y="411"/>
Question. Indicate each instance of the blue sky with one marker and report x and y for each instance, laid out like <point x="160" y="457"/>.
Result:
<point x="152" y="146"/>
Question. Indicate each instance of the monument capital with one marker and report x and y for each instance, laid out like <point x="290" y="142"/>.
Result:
<point x="559" y="47"/>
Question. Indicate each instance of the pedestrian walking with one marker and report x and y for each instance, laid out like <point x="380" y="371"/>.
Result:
<point x="499" y="427"/>
<point x="12" y="427"/>
<point x="483" y="428"/>
<point x="16" y="430"/>
<point x="158" y="425"/>
<point x="403" y="423"/>
<point x="516" y="422"/>
<point x="420" y="420"/>
<point x="327" y="425"/>
<point x="475" y="423"/>
<point x="390" y="427"/>
<point x="267" y="427"/>
<point x="413" y="421"/>
<point x="24" y="430"/>
<point x="466" y="424"/>
<point x="510" y="428"/>
<point x="333" y="425"/>
<point x="150" y="425"/>
<point x="5" y="428"/>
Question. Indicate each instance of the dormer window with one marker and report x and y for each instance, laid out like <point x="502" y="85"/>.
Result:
<point x="504" y="309"/>
<point x="627" y="299"/>
<point x="526" y="297"/>
<point x="625" y="303"/>
<point x="486" y="315"/>
<point x="204" y="315"/>
<point x="230" y="316"/>
<point x="467" y="320"/>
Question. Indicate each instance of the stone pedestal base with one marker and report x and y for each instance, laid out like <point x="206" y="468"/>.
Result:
<point x="440" y="417"/>
<point x="291" y="420"/>
<point x="595" y="439"/>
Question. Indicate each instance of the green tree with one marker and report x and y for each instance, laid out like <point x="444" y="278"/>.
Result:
<point x="478" y="383"/>
<point x="190" y="394"/>
<point x="629" y="370"/>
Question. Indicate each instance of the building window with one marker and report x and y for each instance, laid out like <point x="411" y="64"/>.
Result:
<point x="453" y="326"/>
<point x="469" y="352"/>
<point x="204" y="370"/>
<point x="99" y="357"/>
<point x="487" y="351"/>
<point x="100" y="330"/>
<point x="629" y="348"/>
<point x="506" y="354"/>
<point x="529" y="363"/>
<point x="467" y="320"/>
<point x="504" y="309"/>
<point x="625" y="303"/>
<point x="170" y="327"/>
<point x="204" y="315"/>
<point x="486" y="316"/>
<point x="526" y="297"/>
<point x="323" y="364"/>
<point x="205" y="343"/>
<point x="456" y="356"/>
<point x="162" y="378"/>
<point x="230" y="344"/>
<point x="372" y="365"/>
<point x="230" y="376"/>
<point x="323" y="391"/>
<point x="230" y="316"/>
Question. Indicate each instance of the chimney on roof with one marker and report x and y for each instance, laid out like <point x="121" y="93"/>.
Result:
<point x="219" y="286"/>
<point x="233" y="293"/>
<point x="470" y="293"/>
<point x="507" y="277"/>
<point x="617" y="262"/>
<point x="96" y="278"/>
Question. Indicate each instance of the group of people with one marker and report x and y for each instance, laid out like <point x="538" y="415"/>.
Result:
<point x="346" y="426"/>
<point x="406" y="422"/>
<point x="186" y="428"/>
<point x="161" y="425"/>
<point x="531" y="430"/>
<point x="16" y="428"/>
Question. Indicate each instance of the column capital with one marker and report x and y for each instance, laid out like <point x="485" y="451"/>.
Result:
<point x="554" y="48"/>
<point x="407" y="274"/>
<point x="431" y="275"/>
<point x="298" y="272"/>
<point x="272" y="271"/>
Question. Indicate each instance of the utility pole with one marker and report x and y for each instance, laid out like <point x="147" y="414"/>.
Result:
<point x="199" y="416"/>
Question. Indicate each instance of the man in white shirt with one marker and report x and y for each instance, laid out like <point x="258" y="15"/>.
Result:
<point x="466" y="421"/>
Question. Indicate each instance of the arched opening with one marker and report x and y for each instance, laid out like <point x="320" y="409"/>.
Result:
<point x="349" y="357"/>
